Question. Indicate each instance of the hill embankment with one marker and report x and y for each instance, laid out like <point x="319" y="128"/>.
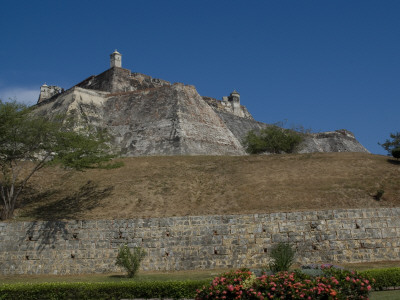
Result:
<point x="210" y="185"/>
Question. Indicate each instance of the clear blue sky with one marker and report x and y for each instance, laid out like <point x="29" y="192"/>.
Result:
<point x="325" y="65"/>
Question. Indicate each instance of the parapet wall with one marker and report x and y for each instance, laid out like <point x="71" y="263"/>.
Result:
<point x="193" y="242"/>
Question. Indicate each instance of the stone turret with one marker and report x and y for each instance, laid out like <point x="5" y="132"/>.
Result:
<point x="48" y="91"/>
<point x="234" y="98"/>
<point x="233" y="102"/>
<point x="115" y="59"/>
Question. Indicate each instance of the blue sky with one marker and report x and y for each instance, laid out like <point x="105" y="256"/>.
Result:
<point x="325" y="65"/>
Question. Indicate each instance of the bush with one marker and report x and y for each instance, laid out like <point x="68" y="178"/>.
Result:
<point x="384" y="278"/>
<point x="351" y="284"/>
<point x="282" y="255"/>
<point x="396" y="153"/>
<point x="130" y="261"/>
<point x="231" y="285"/>
<point x="112" y="290"/>
<point x="272" y="139"/>
<point x="285" y="285"/>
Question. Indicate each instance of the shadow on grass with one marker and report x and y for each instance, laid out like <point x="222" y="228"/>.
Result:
<point x="86" y="198"/>
<point x="393" y="161"/>
<point x="46" y="233"/>
<point x="119" y="276"/>
<point x="30" y="196"/>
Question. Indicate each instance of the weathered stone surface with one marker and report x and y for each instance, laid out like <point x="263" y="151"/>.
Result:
<point x="148" y="116"/>
<point x="333" y="141"/>
<point x="193" y="242"/>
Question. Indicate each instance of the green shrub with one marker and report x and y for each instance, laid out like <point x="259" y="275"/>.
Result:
<point x="392" y="143"/>
<point x="396" y="153"/>
<point x="350" y="284"/>
<point x="130" y="261"/>
<point x="282" y="256"/>
<point x="98" y="291"/>
<point x="384" y="278"/>
<point x="272" y="139"/>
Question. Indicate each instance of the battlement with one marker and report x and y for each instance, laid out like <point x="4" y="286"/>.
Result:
<point x="230" y="104"/>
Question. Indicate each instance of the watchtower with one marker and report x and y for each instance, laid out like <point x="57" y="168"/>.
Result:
<point x="115" y="59"/>
<point x="234" y="98"/>
<point x="48" y="91"/>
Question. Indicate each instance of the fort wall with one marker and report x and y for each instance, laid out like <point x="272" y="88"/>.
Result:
<point x="199" y="242"/>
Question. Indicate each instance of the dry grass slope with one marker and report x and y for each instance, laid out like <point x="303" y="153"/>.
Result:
<point x="201" y="185"/>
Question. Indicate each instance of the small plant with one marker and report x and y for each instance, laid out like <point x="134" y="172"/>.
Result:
<point x="130" y="261"/>
<point x="282" y="255"/>
<point x="379" y="194"/>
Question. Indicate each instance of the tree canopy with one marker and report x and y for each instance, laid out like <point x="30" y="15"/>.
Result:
<point x="26" y="137"/>
<point x="392" y="143"/>
<point x="272" y="139"/>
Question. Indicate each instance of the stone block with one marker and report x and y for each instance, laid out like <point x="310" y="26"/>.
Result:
<point x="389" y="233"/>
<point x="373" y="233"/>
<point x="278" y="217"/>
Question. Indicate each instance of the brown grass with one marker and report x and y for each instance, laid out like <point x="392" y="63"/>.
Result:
<point x="203" y="185"/>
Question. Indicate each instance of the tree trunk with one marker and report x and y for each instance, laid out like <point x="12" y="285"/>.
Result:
<point x="6" y="213"/>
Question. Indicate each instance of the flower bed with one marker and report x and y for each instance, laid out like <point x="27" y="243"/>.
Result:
<point x="243" y="284"/>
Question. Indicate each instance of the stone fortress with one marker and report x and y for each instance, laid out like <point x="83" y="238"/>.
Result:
<point x="149" y="116"/>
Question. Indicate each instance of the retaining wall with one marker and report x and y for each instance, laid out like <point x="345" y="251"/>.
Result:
<point x="193" y="242"/>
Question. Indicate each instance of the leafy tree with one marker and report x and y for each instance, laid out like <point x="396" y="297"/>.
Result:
<point x="396" y="153"/>
<point x="392" y="143"/>
<point x="272" y="139"/>
<point x="24" y="137"/>
<point x="130" y="261"/>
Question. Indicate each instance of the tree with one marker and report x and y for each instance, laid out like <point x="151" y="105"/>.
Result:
<point x="130" y="261"/>
<point x="24" y="137"/>
<point x="272" y="139"/>
<point x="396" y="153"/>
<point x="392" y="143"/>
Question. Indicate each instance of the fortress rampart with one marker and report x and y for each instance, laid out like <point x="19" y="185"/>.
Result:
<point x="193" y="242"/>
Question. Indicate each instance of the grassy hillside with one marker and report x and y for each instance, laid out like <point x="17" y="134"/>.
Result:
<point x="200" y="185"/>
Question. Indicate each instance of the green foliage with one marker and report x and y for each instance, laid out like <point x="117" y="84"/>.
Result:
<point x="272" y="139"/>
<point x="392" y="143"/>
<point x="384" y="278"/>
<point x="396" y="153"/>
<point x="130" y="261"/>
<point x="114" y="290"/>
<point x="282" y="256"/>
<point x="24" y="136"/>
<point x="351" y="284"/>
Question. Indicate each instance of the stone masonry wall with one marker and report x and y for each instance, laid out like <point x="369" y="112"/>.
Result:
<point x="194" y="242"/>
